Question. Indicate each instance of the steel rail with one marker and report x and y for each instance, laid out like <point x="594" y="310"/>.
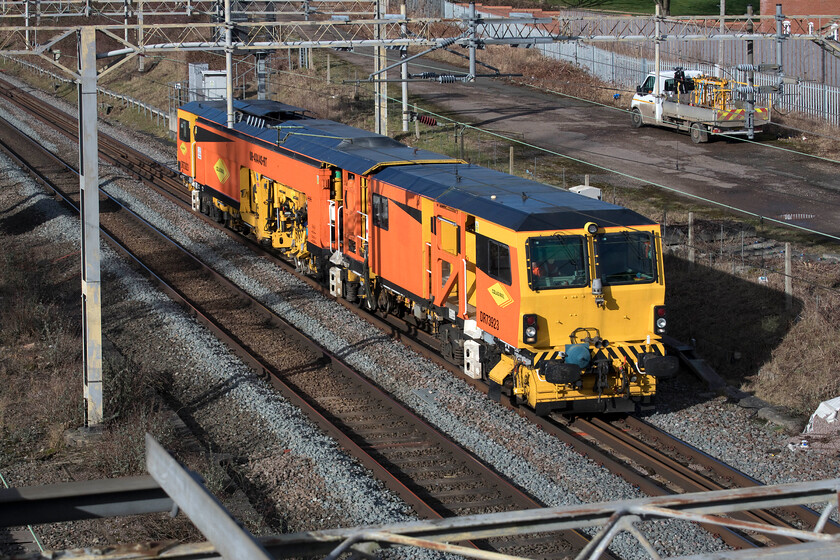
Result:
<point x="663" y="440"/>
<point x="676" y="473"/>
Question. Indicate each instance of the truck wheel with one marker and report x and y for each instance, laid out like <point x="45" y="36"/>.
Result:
<point x="636" y="118"/>
<point x="699" y="134"/>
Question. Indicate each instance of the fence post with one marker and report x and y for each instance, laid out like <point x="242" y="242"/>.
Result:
<point x="691" y="237"/>
<point x="510" y="170"/>
<point x="788" y="279"/>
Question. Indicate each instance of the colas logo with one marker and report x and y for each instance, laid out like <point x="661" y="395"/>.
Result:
<point x="221" y="171"/>
<point x="500" y="295"/>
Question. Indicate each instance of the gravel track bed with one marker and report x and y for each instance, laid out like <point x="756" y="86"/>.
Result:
<point x="546" y="468"/>
<point x="242" y="415"/>
<point x="737" y="436"/>
<point x="203" y="370"/>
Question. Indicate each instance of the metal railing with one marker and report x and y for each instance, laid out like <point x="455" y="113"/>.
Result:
<point x="228" y="538"/>
<point x="150" y="111"/>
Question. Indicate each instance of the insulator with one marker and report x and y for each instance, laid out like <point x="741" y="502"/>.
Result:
<point x="446" y="42"/>
<point x="746" y="67"/>
<point x="746" y="89"/>
<point x="447" y="79"/>
<point x="425" y="75"/>
<point x="426" y="119"/>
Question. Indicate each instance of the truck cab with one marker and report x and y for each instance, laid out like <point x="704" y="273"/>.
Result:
<point x="672" y="86"/>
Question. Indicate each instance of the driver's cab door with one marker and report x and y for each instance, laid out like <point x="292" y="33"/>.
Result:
<point x="645" y="95"/>
<point x="447" y="260"/>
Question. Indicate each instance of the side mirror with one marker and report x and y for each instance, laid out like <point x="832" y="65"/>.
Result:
<point x="638" y="89"/>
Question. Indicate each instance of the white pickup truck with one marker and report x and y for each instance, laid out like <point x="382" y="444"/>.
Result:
<point x="690" y="101"/>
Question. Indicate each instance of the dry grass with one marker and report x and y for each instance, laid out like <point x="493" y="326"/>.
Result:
<point x="538" y="71"/>
<point x="40" y="359"/>
<point x="42" y="395"/>
<point x="736" y="312"/>
<point x="800" y="372"/>
<point x="803" y="134"/>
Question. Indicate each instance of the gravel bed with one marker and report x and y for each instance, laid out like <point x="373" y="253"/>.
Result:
<point x="546" y="468"/>
<point x="737" y="436"/>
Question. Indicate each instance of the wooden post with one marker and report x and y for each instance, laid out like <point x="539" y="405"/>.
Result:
<point x="788" y="279"/>
<point x="691" y="237"/>
<point x="328" y="68"/>
<point x="510" y="171"/>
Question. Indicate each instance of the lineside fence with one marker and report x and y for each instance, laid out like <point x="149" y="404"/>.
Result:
<point x="154" y="114"/>
<point x="817" y="100"/>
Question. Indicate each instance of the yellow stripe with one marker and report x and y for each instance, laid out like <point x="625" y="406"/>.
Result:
<point x="384" y="164"/>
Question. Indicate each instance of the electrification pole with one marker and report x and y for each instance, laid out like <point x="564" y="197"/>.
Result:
<point x="473" y="41"/>
<point x="380" y="84"/>
<point x="780" y="37"/>
<point x="404" y="70"/>
<point x="89" y="216"/>
<point x="228" y="64"/>
<point x="141" y="63"/>
<point x="719" y="69"/>
<point x="750" y="117"/>
<point x="657" y="88"/>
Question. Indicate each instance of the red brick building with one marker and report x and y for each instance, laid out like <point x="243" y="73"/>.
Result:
<point x="801" y="7"/>
<point x="794" y="10"/>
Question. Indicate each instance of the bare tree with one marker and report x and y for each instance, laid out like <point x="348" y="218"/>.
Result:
<point x="664" y="7"/>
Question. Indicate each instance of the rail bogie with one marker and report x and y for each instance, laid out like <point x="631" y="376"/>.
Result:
<point x="555" y="296"/>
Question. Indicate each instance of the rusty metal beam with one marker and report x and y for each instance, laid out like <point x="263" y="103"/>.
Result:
<point x="72" y="501"/>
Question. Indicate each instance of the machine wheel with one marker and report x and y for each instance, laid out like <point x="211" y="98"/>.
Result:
<point x="699" y="133"/>
<point x="451" y="351"/>
<point x="384" y="302"/>
<point x="636" y="119"/>
<point x="364" y="302"/>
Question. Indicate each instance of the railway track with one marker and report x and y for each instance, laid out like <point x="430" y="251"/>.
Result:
<point x="387" y="435"/>
<point x="430" y="472"/>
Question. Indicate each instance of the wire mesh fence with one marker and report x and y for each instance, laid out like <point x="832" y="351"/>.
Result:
<point x="801" y="59"/>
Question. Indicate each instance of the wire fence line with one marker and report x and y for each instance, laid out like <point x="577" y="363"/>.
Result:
<point x="153" y="113"/>
<point x="818" y="100"/>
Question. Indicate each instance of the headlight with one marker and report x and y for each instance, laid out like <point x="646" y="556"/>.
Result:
<point x="659" y="320"/>
<point x="529" y="328"/>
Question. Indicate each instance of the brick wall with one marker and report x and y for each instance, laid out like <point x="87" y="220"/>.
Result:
<point x="800" y="7"/>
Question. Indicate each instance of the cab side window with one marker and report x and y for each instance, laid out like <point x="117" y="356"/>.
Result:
<point x="647" y="87"/>
<point x="380" y="211"/>
<point x="493" y="258"/>
<point x="184" y="130"/>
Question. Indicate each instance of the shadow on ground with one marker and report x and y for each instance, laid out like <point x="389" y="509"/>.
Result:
<point x="734" y="324"/>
